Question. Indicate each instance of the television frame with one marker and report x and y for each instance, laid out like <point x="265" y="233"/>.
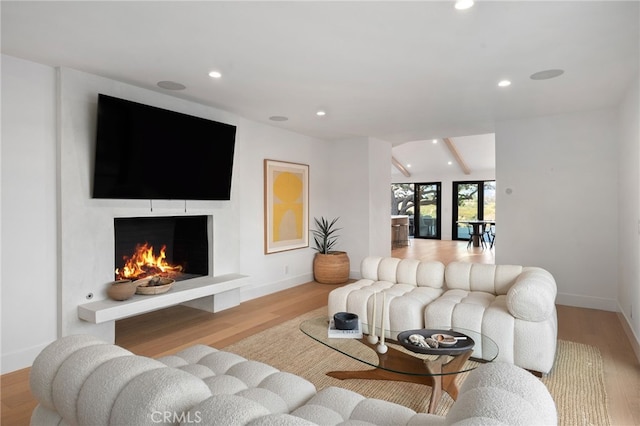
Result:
<point x="151" y="153"/>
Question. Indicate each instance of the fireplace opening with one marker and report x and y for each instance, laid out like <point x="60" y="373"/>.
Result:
<point x="176" y="247"/>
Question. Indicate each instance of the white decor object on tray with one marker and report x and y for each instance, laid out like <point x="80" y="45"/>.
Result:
<point x="373" y="339"/>
<point x="382" y="348"/>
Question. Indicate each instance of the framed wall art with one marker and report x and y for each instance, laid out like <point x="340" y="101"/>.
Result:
<point x="286" y="206"/>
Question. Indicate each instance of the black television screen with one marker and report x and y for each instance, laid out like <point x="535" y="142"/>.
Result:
<point x="144" y="152"/>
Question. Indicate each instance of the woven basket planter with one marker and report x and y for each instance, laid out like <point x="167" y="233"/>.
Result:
<point x="332" y="268"/>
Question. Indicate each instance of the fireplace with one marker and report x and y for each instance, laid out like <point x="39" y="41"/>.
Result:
<point x="188" y="251"/>
<point x="176" y="247"/>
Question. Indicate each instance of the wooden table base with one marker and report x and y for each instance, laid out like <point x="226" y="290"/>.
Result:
<point x="391" y="363"/>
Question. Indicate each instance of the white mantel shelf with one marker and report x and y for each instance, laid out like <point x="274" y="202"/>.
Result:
<point x="102" y="311"/>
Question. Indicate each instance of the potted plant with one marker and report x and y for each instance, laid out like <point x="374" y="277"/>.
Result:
<point x="329" y="266"/>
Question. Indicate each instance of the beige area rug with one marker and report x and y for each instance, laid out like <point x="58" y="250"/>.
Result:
<point x="576" y="381"/>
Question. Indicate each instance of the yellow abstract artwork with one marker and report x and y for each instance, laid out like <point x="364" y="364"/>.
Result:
<point x="286" y="206"/>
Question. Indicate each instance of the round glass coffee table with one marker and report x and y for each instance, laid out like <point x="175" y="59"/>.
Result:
<point x="436" y="368"/>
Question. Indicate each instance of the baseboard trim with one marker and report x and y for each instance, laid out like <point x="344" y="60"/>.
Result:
<point x="633" y="339"/>
<point x="253" y="292"/>
<point x="22" y="359"/>
<point x="590" y="302"/>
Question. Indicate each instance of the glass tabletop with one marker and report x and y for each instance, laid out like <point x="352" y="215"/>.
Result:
<point x="399" y="359"/>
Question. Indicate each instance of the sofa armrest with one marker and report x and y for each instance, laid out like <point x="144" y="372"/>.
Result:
<point x="369" y="267"/>
<point x="533" y="296"/>
<point x="502" y="393"/>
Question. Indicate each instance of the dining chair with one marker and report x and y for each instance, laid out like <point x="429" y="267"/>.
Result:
<point x="491" y="234"/>
<point x="472" y="233"/>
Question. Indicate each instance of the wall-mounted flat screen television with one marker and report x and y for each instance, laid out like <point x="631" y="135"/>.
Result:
<point x="144" y="152"/>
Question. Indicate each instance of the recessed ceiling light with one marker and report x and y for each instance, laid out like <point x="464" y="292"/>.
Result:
<point x="450" y="162"/>
<point x="546" y="74"/>
<point x="463" y="4"/>
<point x="321" y="113"/>
<point x="215" y="74"/>
<point x="504" y="83"/>
<point x="409" y="165"/>
<point x="435" y="141"/>
<point x="278" y="118"/>
<point x="171" y="85"/>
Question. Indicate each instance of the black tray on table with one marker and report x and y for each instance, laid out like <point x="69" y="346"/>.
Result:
<point x="460" y="346"/>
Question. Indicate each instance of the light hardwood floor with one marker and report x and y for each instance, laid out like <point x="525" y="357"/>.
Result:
<point x="167" y="331"/>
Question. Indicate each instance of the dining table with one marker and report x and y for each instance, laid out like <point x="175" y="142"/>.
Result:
<point x="478" y="227"/>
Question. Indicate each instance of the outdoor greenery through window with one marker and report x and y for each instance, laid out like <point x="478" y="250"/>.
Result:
<point x="473" y="200"/>
<point x="424" y="222"/>
<point x="402" y="200"/>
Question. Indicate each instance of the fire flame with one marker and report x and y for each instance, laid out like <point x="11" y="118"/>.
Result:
<point x="145" y="263"/>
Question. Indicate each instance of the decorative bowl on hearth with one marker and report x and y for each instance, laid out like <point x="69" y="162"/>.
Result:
<point x="121" y="290"/>
<point x="153" y="285"/>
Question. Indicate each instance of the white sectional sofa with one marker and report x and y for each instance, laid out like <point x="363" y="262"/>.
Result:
<point x="512" y="305"/>
<point x="80" y="380"/>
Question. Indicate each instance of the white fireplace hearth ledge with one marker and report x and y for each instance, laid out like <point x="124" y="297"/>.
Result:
<point x="222" y="292"/>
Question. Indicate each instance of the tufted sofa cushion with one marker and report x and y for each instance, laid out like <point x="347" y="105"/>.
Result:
<point x="510" y="304"/>
<point x="494" y="279"/>
<point x="51" y="358"/>
<point x="73" y="373"/>
<point x="405" y="271"/>
<point x="330" y="406"/>
<point x="505" y="389"/>
<point x="409" y="286"/>
<point x="279" y="391"/>
<point x="101" y="381"/>
<point x="201" y="385"/>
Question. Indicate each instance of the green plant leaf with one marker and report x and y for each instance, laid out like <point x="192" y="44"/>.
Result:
<point x="325" y="237"/>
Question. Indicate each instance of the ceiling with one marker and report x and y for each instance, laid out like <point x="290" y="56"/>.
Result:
<point x="428" y="159"/>
<point x="396" y="71"/>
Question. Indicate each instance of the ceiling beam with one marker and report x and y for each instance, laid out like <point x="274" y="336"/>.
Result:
<point x="400" y="167"/>
<point x="457" y="156"/>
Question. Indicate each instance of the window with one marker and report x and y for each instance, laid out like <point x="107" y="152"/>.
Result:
<point x="472" y="200"/>
<point x="424" y="221"/>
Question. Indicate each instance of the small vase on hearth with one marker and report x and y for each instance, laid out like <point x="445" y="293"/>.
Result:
<point x="121" y="290"/>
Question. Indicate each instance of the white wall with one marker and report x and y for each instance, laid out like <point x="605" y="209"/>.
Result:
<point x="361" y="202"/>
<point x="267" y="272"/>
<point x="562" y="213"/>
<point x="379" y="182"/>
<point x="629" y="210"/>
<point x="446" y="195"/>
<point x="57" y="242"/>
<point x="29" y="261"/>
